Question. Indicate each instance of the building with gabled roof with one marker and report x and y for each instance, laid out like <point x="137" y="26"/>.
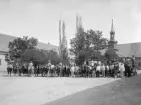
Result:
<point x="4" y="42"/>
<point x="126" y="50"/>
<point x="5" y="39"/>
<point x="129" y="49"/>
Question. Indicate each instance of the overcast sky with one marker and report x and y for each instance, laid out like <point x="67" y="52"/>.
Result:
<point x="40" y="18"/>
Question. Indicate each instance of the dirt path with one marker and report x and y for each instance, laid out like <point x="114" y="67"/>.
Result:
<point x="122" y="92"/>
<point x="39" y="90"/>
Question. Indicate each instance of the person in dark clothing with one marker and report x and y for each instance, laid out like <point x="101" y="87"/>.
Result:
<point x="98" y="68"/>
<point x="128" y="71"/>
<point x="9" y="69"/>
<point x="127" y="67"/>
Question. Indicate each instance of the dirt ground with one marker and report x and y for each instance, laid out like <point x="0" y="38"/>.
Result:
<point x="40" y="90"/>
<point x="122" y="92"/>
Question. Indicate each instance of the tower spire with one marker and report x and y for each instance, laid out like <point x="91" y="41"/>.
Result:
<point x="112" y="27"/>
<point x="112" y="41"/>
<point x="112" y="32"/>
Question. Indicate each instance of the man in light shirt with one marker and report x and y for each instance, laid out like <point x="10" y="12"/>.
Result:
<point x="92" y="63"/>
<point x="122" y="69"/>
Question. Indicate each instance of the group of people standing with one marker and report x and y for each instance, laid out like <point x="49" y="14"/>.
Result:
<point x="94" y="69"/>
<point x="44" y="70"/>
<point x="115" y="68"/>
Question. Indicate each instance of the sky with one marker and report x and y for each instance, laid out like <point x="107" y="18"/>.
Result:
<point x="40" y="18"/>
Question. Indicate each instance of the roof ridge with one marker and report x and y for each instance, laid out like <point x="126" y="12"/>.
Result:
<point x="129" y="43"/>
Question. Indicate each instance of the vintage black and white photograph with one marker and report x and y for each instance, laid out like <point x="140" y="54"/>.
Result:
<point x="70" y="52"/>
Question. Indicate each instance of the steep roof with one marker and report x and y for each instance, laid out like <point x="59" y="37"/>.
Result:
<point x="112" y="27"/>
<point x="5" y="39"/>
<point x="129" y="49"/>
<point x="48" y="47"/>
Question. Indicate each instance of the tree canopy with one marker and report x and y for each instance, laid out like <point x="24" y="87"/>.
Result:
<point x="88" y="45"/>
<point x="110" y="54"/>
<point x="20" y="45"/>
<point x="24" y="50"/>
<point x="40" y="56"/>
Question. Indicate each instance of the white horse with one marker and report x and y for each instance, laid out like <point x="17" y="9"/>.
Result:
<point x="76" y="72"/>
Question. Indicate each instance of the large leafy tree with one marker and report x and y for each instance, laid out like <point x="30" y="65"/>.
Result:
<point x="24" y="50"/>
<point x="78" y="46"/>
<point x="32" y="43"/>
<point x="53" y="57"/>
<point x="111" y="54"/>
<point x="64" y="55"/>
<point x="20" y="45"/>
<point x="88" y="45"/>
<point x="95" y="43"/>
<point x="35" y="55"/>
<point x="77" y="43"/>
<point x="81" y="58"/>
<point x="40" y="56"/>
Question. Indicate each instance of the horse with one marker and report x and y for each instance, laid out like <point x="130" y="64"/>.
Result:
<point x="77" y="71"/>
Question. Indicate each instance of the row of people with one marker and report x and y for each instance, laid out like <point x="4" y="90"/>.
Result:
<point x="111" y="69"/>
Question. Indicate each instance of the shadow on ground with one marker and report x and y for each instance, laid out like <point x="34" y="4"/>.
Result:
<point x="122" y="92"/>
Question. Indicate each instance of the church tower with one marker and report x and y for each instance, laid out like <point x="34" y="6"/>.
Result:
<point x="112" y="41"/>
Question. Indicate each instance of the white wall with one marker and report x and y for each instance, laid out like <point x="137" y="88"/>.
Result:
<point x="3" y="65"/>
